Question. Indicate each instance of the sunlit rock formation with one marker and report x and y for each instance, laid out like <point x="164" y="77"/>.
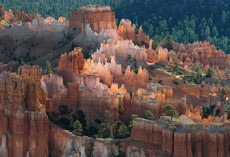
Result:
<point x="112" y="72"/>
<point x="24" y="124"/>
<point x="70" y="64"/>
<point x="123" y="50"/>
<point x="97" y="18"/>
<point x="204" y="53"/>
<point x="183" y="137"/>
<point x="49" y="24"/>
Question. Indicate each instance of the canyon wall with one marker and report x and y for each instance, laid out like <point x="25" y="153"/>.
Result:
<point x="185" y="138"/>
<point x="63" y="143"/>
<point x="24" y="124"/>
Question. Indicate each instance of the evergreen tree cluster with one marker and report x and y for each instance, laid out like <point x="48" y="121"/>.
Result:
<point x="185" y="21"/>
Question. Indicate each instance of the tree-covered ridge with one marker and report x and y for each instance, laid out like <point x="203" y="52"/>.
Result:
<point x="184" y="20"/>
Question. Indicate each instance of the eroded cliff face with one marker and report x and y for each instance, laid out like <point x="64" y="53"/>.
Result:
<point x="204" y="53"/>
<point x="24" y="124"/>
<point x="123" y="50"/>
<point x="25" y="131"/>
<point x="71" y="64"/>
<point x="111" y="72"/>
<point x="65" y="144"/>
<point x="183" y="138"/>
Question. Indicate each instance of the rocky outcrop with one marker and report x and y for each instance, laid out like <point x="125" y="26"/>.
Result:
<point x="126" y="29"/>
<point x="34" y="72"/>
<point x="53" y="85"/>
<point x="97" y="18"/>
<point x="70" y="64"/>
<point x="94" y="98"/>
<point x="162" y="54"/>
<point x="23" y="132"/>
<point x="49" y="24"/>
<point x="63" y="143"/>
<point x="153" y="98"/>
<point x="204" y="53"/>
<point x="183" y="138"/>
<point x="123" y="50"/>
<point x="54" y="91"/>
<point x="110" y="73"/>
<point x="133" y="81"/>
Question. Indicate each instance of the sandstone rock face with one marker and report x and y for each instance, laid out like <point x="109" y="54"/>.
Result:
<point x="53" y="85"/>
<point x="101" y="70"/>
<point x="63" y="143"/>
<point x="151" y="55"/>
<point x="49" y="24"/>
<point x="187" y="139"/>
<point x="54" y="91"/>
<point x="34" y="72"/>
<point x="142" y="37"/>
<point x="133" y="81"/>
<point x="112" y="73"/>
<point x="162" y="54"/>
<point x="23" y="132"/>
<point x="153" y="98"/>
<point x="123" y="50"/>
<point x="205" y="53"/>
<point x="70" y="64"/>
<point x="126" y="29"/>
<point x="97" y="18"/>
<point x="94" y="98"/>
<point x="34" y="94"/>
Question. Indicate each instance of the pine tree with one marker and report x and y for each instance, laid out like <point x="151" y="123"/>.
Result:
<point x="169" y="110"/>
<point x="149" y="115"/>
<point x="209" y="73"/>
<point x="77" y="128"/>
<point x="198" y="77"/>
<point x="227" y="110"/>
<point x="168" y="42"/>
<point x="223" y="17"/>
<point x="120" y="105"/>
<point x="122" y="131"/>
<point x="48" y="68"/>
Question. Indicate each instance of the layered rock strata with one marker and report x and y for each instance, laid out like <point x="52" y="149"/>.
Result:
<point x="185" y="138"/>
<point x="97" y="18"/>
<point x="24" y="124"/>
<point x="70" y="64"/>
